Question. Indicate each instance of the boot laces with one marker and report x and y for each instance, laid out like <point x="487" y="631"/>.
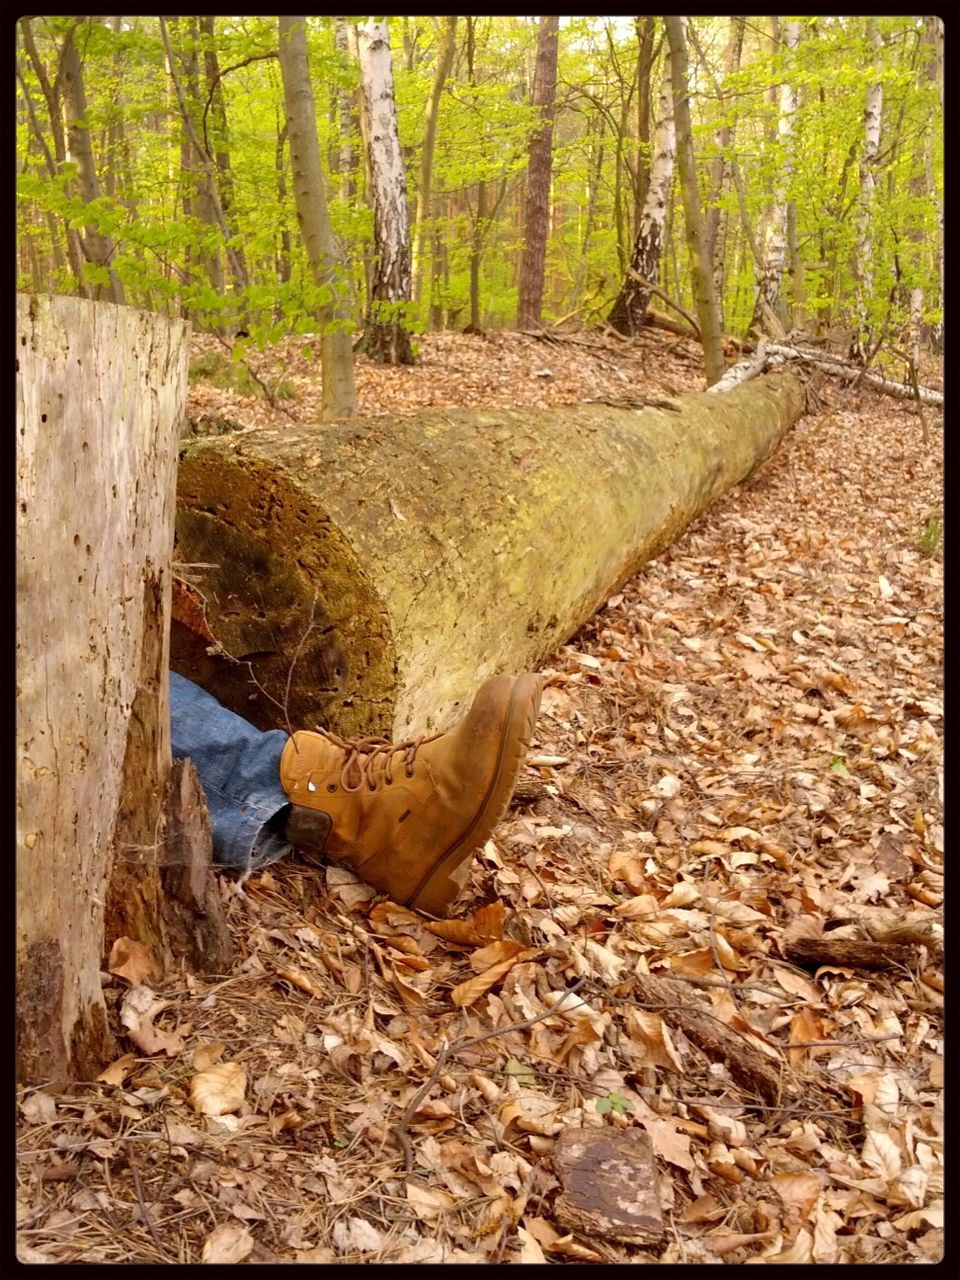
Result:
<point x="370" y="760"/>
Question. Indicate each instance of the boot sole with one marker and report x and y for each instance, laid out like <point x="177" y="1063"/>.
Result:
<point x="441" y="886"/>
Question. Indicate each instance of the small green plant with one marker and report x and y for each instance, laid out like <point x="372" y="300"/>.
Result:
<point x="930" y="541"/>
<point x="613" y="1102"/>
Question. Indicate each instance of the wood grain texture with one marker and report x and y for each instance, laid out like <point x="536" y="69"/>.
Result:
<point x="100" y="392"/>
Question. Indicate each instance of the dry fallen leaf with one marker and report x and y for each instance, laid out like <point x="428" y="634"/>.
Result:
<point x="219" y="1090"/>
<point x="206" y="1054"/>
<point x="118" y="1071"/>
<point x="132" y="961"/>
<point x="140" y="1006"/>
<point x="467" y="993"/>
<point x="227" y="1244"/>
<point x="38" y="1107"/>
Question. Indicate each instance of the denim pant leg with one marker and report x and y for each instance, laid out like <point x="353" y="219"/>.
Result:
<point x="239" y="770"/>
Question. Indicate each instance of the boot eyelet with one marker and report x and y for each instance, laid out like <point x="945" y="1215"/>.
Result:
<point x="372" y="786"/>
<point x="409" y="772"/>
<point x="331" y="786"/>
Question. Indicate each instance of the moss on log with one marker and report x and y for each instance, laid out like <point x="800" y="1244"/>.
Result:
<point x="370" y="574"/>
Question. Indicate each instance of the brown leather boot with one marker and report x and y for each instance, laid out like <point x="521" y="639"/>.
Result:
<point x="406" y="816"/>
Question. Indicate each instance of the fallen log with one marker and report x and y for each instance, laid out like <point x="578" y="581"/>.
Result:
<point x="369" y="574"/>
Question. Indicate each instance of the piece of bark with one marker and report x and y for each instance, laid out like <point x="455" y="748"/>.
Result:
<point x="849" y="953"/>
<point x="170" y="900"/>
<point x="609" y="1185"/>
<point x="749" y="1067"/>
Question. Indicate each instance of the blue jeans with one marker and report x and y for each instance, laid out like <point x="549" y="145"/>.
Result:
<point x="239" y="770"/>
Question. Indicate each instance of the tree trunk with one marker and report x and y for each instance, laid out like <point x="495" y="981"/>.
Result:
<point x="537" y="203"/>
<point x="593" y="191"/>
<point x="347" y="123"/>
<point x="284" y="240"/>
<point x="363" y="124"/>
<point x="770" y="314"/>
<point x="631" y="305"/>
<point x="217" y="130"/>
<point x="872" y="112"/>
<point x="708" y="312"/>
<point x="645" y="33"/>
<point x="386" y="338"/>
<point x="199" y="193"/>
<point x="52" y="95"/>
<point x="200" y="151"/>
<point x="496" y="535"/>
<point x="446" y="47"/>
<point x="336" y="351"/>
<point x="715" y="221"/>
<point x="100" y="394"/>
<point x="933" y="39"/>
<point x="99" y="247"/>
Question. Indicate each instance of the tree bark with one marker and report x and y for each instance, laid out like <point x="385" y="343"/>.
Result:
<point x="98" y="246"/>
<point x="537" y="202"/>
<point x="631" y="305"/>
<point x="219" y="140"/>
<point x="199" y="193"/>
<point x="770" y="314"/>
<point x="645" y="33"/>
<point x="336" y="350"/>
<point x="100" y="394"/>
<point x="715" y="221"/>
<point x="347" y="122"/>
<point x="386" y="338"/>
<point x="872" y="112"/>
<point x="434" y="550"/>
<point x="446" y="47"/>
<point x="708" y="311"/>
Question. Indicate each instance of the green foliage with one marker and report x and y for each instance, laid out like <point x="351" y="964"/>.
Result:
<point x="613" y="1102"/>
<point x="930" y="539"/>
<point x="171" y="256"/>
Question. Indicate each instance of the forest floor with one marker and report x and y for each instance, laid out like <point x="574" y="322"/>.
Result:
<point x="728" y="838"/>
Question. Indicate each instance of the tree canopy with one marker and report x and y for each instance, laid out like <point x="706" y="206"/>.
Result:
<point x="166" y="180"/>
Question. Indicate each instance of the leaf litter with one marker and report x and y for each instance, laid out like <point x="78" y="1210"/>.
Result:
<point x="734" y="793"/>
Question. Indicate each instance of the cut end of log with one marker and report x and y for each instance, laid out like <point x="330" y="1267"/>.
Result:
<point x="303" y="641"/>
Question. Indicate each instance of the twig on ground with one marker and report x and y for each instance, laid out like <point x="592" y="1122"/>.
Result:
<point x="449" y="1050"/>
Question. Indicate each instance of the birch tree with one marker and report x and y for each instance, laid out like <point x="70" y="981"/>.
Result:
<point x="339" y="399"/>
<point x="769" y="313"/>
<point x="708" y="312"/>
<point x="386" y="338"/>
<point x="933" y="42"/>
<point x="872" y="113"/>
<point x="537" y="203"/>
<point x="634" y="297"/>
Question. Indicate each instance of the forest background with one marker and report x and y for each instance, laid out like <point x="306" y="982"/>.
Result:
<point x="153" y="162"/>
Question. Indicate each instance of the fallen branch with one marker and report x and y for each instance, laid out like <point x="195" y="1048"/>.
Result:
<point x="851" y="953"/>
<point x="742" y="371"/>
<point x="853" y="373"/>
<point x="659" y="293"/>
<point x="747" y="1065"/>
